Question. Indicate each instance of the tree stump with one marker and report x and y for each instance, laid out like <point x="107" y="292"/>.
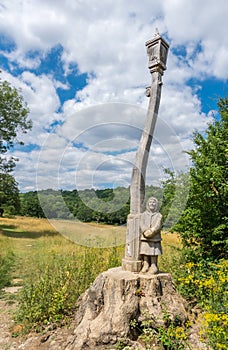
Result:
<point x="118" y="297"/>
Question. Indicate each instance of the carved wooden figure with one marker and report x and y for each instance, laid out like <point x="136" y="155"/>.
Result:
<point x="150" y="226"/>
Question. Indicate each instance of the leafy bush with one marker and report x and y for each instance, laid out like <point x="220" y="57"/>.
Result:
<point x="207" y="283"/>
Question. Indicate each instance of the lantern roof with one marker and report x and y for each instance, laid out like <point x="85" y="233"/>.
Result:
<point x="156" y="38"/>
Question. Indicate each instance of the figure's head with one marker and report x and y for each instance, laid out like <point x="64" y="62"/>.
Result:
<point x="152" y="204"/>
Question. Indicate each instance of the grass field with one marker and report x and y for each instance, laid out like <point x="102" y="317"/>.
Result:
<point x="55" y="270"/>
<point x="33" y="242"/>
<point x="28" y="237"/>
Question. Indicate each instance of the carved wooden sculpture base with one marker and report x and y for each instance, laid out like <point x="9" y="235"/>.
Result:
<point x="131" y="265"/>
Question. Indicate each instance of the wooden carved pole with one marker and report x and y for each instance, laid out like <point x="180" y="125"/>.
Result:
<point x="157" y="50"/>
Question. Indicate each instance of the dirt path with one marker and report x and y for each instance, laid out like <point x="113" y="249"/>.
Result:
<point x="7" y="342"/>
<point x="53" y="339"/>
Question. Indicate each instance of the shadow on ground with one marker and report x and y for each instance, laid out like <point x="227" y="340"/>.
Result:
<point x="12" y="232"/>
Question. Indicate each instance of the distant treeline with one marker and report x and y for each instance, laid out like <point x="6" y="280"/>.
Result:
<point x="109" y="206"/>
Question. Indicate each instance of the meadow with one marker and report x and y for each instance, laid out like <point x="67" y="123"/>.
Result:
<point x="32" y="239"/>
<point x="55" y="269"/>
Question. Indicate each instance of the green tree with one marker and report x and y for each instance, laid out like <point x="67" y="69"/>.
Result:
<point x="13" y="120"/>
<point x="9" y="194"/>
<point x="30" y="205"/>
<point x="204" y="224"/>
<point x="175" y="193"/>
<point x="84" y="213"/>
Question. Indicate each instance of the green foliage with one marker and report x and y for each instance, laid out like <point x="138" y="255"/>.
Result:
<point x="208" y="284"/>
<point x="122" y="345"/>
<point x="174" y="335"/>
<point x="175" y="194"/>
<point x="9" y="194"/>
<point x="170" y="336"/>
<point x="215" y="330"/>
<point x="107" y="206"/>
<point x="6" y="265"/>
<point x="30" y="205"/>
<point x="13" y="119"/>
<point x="203" y="283"/>
<point x="204" y="224"/>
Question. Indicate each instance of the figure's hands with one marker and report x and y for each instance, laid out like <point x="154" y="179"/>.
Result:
<point x="148" y="233"/>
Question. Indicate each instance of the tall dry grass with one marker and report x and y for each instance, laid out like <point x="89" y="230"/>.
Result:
<point x="32" y="238"/>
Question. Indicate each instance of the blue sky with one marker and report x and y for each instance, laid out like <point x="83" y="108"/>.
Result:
<point x="82" y="68"/>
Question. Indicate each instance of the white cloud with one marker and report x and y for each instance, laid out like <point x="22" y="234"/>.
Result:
<point x="191" y="20"/>
<point x="106" y="40"/>
<point x="94" y="148"/>
<point x="200" y="26"/>
<point x="21" y="60"/>
<point x="40" y="94"/>
<point x="38" y="91"/>
<point x="181" y="109"/>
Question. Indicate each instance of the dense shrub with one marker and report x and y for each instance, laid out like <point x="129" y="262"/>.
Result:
<point x="204" y="224"/>
<point x="207" y="283"/>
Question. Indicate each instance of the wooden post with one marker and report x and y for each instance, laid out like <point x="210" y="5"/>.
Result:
<point x="157" y="50"/>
